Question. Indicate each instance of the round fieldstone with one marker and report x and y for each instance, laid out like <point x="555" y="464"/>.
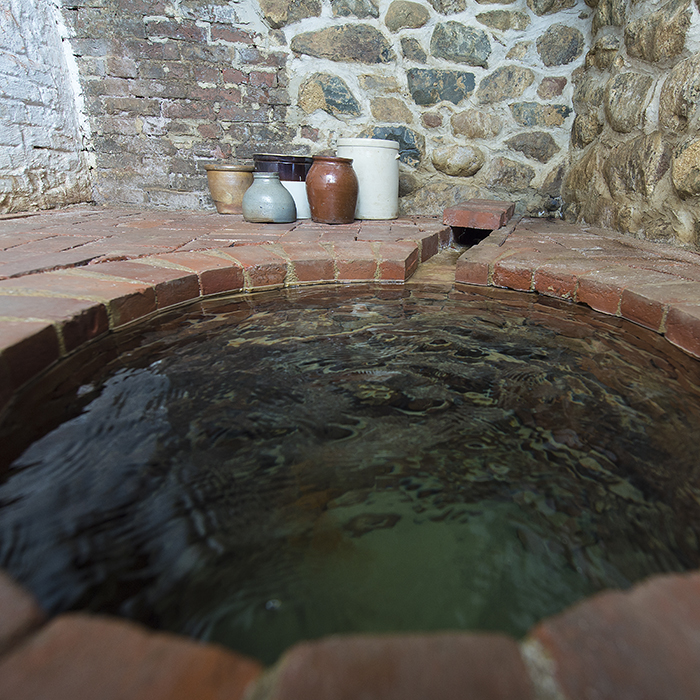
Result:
<point x="637" y="165"/>
<point x="458" y="161"/>
<point x="412" y="50"/>
<point x="603" y="52"/>
<point x="589" y="93"/>
<point x="354" y="8"/>
<point x="519" y="51"/>
<point x="449" y="7"/>
<point x="432" y="120"/>
<point x="608" y="13"/>
<point x="560" y="45"/>
<point x="551" y="87"/>
<point x="505" y="82"/>
<point x="509" y="174"/>
<point x="504" y="20"/>
<point x="358" y="43"/>
<point x="538" y="145"/>
<point x="659" y="35"/>
<point x="536" y="114"/>
<point x="279" y="13"/>
<point x="329" y="93"/>
<point x="390" y="109"/>
<point x="429" y="86"/>
<point x="626" y="99"/>
<point x="379" y="83"/>
<point x="411" y="144"/>
<point x="459" y="43"/>
<point x="548" y="7"/>
<point x="680" y="94"/>
<point x="476" y="124"/>
<point x="585" y="129"/>
<point x="685" y="169"/>
<point x="403" y="14"/>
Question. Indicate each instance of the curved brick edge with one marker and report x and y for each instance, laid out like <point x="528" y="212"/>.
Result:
<point x="642" y="644"/>
<point x="77" y="656"/>
<point x="46" y="316"/>
<point x="652" y="287"/>
<point x="445" y="665"/>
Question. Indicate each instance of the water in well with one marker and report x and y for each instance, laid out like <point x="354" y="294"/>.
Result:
<point x="262" y="470"/>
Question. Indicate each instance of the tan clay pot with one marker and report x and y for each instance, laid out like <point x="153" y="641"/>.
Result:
<point x="331" y="186"/>
<point x="228" y="183"/>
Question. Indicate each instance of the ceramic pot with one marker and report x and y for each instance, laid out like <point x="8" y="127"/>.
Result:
<point x="292" y="171"/>
<point x="331" y="187"/>
<point x="376" y="164"/>
<point x="266" y="201"/>
<point x="290" y="168"/>
<point x="227" y="185"/>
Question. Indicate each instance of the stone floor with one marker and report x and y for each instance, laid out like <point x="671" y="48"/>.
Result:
<point x="69" y="276"/>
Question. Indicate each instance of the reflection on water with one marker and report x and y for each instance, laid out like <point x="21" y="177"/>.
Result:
<point x="272" y="469"/>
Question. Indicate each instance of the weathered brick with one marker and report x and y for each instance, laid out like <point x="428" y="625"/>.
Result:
<point x="188" y="109"/>
<point x="449" y="666"/>
<point x="132" y="105"/>
<point x="185" y="30"/>
<point x="76" y="320"/>
<point x="19" y="612"/>
<point x="644" y="643"/>
<point x="223" y="32"/>
<point x="78" y="657"/>
<point x="27" y="347"/>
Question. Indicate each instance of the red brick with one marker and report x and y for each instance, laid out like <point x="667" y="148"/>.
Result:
<point x="125" y="301"/>
<point x="19" y="612"/>
<point x="472" y="271"/>
<point x="355" y="261"/>
<point x="479" y="213"/>
<point x="646" y="303"/>
<point x="397" y="261"/>
<point x="683" y="327"/>
<point x="444" y="666"/>
<point x="514" y="273"/>
<point x="643" y="644"/>
<point x="77" y="320"/>
<point x="311" y="262"/>
<point x="222" y="32"/>
<point x="171" y="286"/>
<point x="599" y="292"/>
<point x="262" y="268"/>
<point x="555" y="283"/>
<point x="78" y="657"/>
<point x="216" y="274"/>
<point x="27" y="347"/>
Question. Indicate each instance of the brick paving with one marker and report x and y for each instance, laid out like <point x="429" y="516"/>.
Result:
<point x="69" y="276"/>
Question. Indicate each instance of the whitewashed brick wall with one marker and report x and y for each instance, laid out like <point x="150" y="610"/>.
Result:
<point x="43" y="153"/>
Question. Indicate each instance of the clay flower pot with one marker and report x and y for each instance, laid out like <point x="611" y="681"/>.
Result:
<point x="228" y="183"/>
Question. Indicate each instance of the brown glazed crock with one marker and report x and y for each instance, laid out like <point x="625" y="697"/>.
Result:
<point x="331" y="187"/>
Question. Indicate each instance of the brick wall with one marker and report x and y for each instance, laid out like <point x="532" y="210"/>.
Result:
<point x="43" y="162"/>
<point x="170" y="86"/>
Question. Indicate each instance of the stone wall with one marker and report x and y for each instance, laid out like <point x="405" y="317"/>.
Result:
<point x="43" y="161"/>
<point x="478" y="94"/>
<point x="635" y="142"/>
